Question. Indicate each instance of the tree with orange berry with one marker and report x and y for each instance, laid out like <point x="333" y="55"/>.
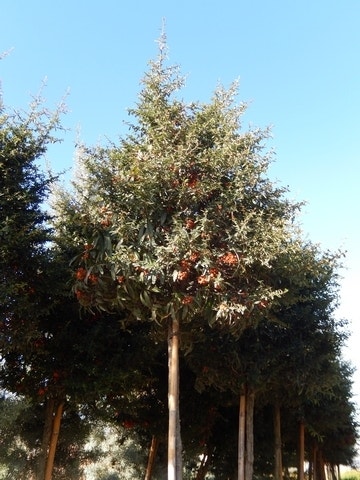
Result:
<point x="178" y="224"/>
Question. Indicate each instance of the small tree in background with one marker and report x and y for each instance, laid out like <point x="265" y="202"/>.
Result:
<point x="300" y="346"/>
<point x="28" y="286"/>
<point x="24" y="230"/>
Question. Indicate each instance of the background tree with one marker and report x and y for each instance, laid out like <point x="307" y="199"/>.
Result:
<point x="25" y="273"/>
<point x="299" y="348"/>
<point x="48" y="350"/>
<point x="12" y="454"/>
<point x="24" y="230"/>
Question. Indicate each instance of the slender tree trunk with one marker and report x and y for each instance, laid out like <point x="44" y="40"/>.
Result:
<point x="241" y="439"/>
<point x="331" y="468"/>
<point x="314" y="462"/>
<point x="53" y="441"/>
<point x="49" y="413"/>
<point x="152" y="454"/>
<point x="174" y="436"/>
<point x="320" y="466"/>
<point x="301" y="450"/>
<point x="277" y="438"/>
<point x="179" y="465"/>
<point x="249" y="441"/>
<point x="310" y="474"/>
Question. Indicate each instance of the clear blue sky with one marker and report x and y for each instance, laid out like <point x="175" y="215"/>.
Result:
<point x="298" y="62"/>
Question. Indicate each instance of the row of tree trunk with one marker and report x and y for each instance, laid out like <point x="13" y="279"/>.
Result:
<point x="54" y="411"/>
<point x="317" y="470"/>
<point x="53" y="416"/>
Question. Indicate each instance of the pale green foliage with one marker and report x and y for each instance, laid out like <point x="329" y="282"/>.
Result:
<point x="350" y="475"/>
<point x="15" y="457"/>
<point x="119" y="456"/>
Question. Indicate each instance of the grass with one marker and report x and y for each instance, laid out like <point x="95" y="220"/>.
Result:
<point x="350" y="475"/>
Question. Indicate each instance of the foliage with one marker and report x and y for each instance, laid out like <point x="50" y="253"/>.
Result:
<point x="180" y="218"/>
<point x="27" y="287"/>
<point x="120" y="455"/>
<point x="12" y="452"/>
<point x="24" y="231"/>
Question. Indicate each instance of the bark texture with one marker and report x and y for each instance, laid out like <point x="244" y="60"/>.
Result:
<point x="49" y="414"/>
<point x="301" y="450"/>
<point x="249" y="441"/>
<point x="53" y="441"/>
<point x="277" y="438"/>
<point x="152" y="455"/>
<point x="174" y="435"/>
<point x="241" y="440"/>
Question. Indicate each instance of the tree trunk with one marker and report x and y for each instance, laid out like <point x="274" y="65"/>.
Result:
<point x="277" y="441"/>
<point x="49" y="414"/>
<point x="152" y="454"/>
<point x="178" y="441"/>
<point x="310" y="474"/>
<point x="53" y="441"/>
<point x="314" y="462"/>
<point x="320" y="466"/>
<point x="332" y="471"/>
<point x="249" y="440"/>
<point x="241" y="439"/>
<point x="301" y="450"/>
<point x="174" y="436"/>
